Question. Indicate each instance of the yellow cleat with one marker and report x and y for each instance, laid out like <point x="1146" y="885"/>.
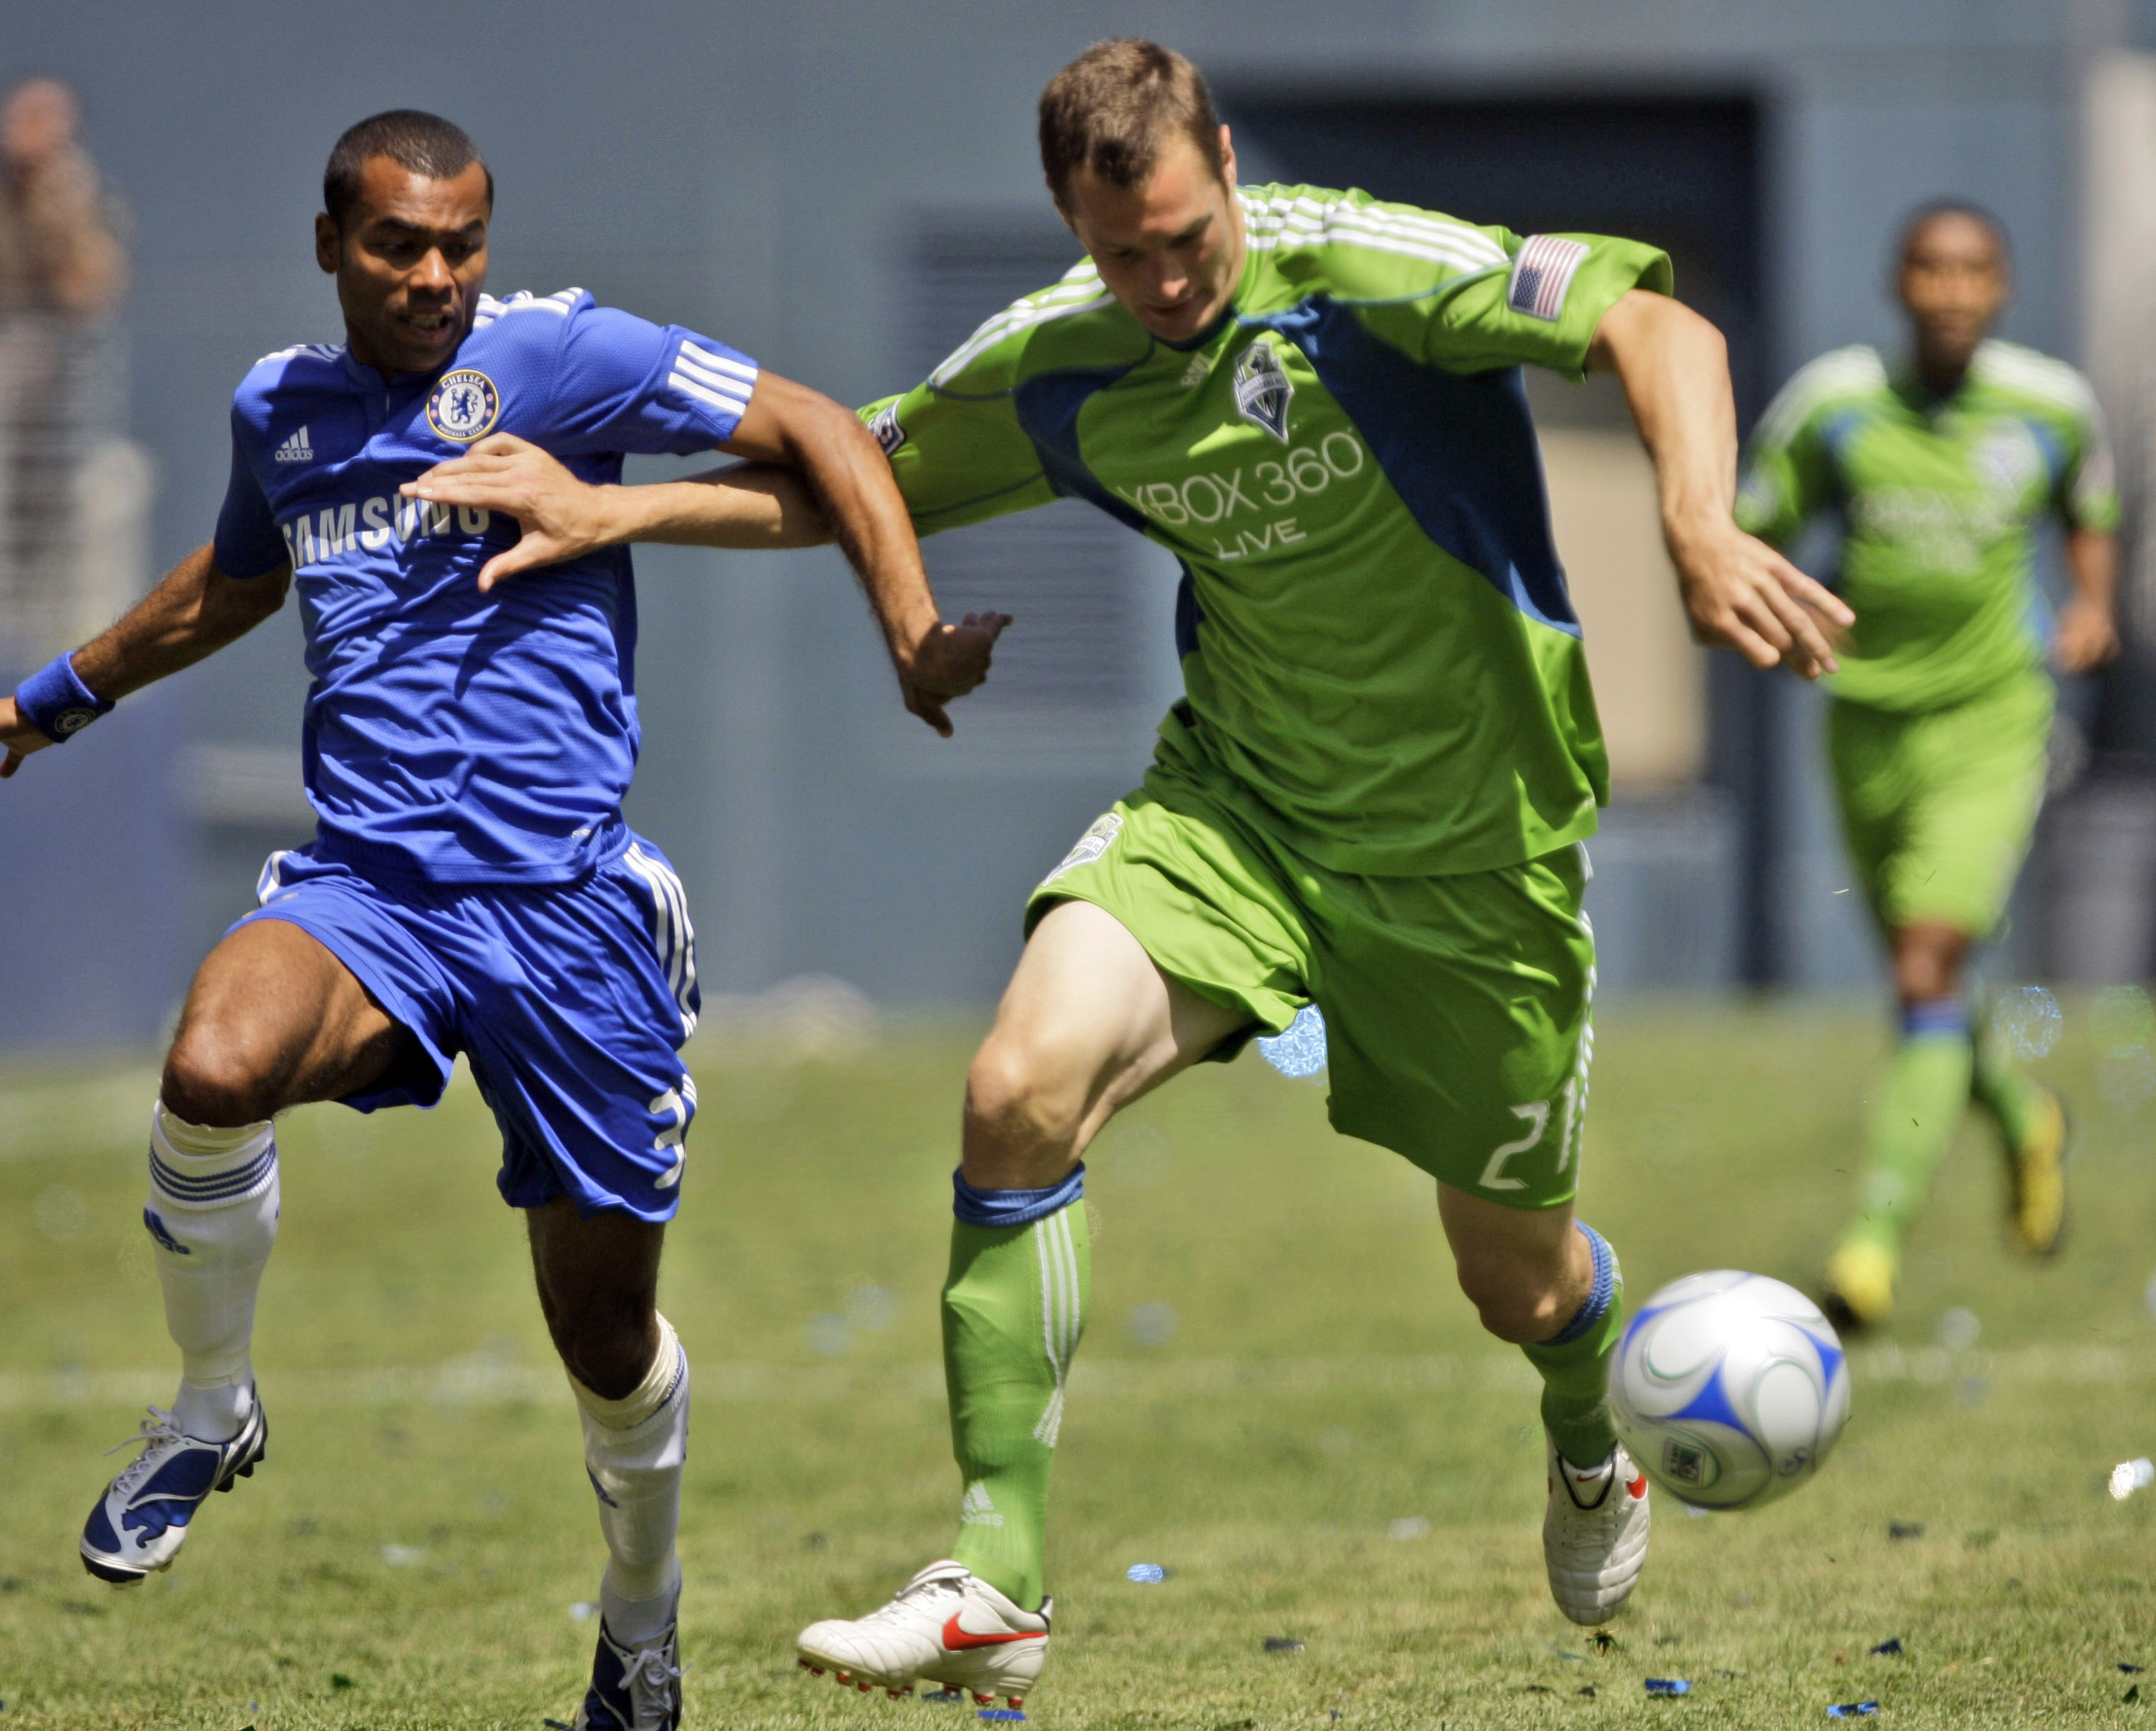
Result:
<point x="1859" y="1290"/>
<point x="2039" y="1169"/>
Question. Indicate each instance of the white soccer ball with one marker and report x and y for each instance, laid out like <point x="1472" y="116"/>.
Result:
<point x="1729" y="1389"/>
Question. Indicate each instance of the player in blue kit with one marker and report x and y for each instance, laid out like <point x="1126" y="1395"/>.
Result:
<point x="472" y="887"/>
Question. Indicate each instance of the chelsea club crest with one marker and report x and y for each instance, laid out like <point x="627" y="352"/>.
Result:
<point x="1263" y="389"/>
<point x="464" y="406"/>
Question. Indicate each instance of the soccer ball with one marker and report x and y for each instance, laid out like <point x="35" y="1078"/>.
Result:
<point x="1729" y="1389"/>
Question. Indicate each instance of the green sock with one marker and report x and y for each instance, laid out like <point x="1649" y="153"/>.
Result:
<point x="1575" y="1364"/>
<point x="1999" y="1087"/>
<point x="1926" y="1091"/>
<point x="1013" y="1307"/>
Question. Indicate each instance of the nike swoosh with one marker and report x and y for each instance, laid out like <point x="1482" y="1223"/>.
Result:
<point x="957" y="1640"/>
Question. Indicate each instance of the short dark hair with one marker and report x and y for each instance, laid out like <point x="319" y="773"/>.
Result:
<point x="1111" y="109"/>
<point x="425" y="143"/>
<point x="1927" y="214"/>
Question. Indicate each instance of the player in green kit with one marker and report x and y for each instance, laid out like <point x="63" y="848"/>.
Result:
<point x="1941" y="471"/>
<point x="1371" y="798"/>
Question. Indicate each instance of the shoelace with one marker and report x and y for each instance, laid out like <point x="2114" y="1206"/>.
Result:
<point x="650" y="1676"/>
<point x="901" y="1607"/>
<point x="154" y="1431"/>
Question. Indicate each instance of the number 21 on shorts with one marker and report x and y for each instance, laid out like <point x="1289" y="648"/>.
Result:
<point x="1534" y="1119"/>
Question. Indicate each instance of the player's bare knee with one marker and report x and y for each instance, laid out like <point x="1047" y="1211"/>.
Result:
<point x="1516" y="1303"/>
<point x="1015" y="1107"/>
<point x="212" y="1078"/>
<point x="608" y="1353"/>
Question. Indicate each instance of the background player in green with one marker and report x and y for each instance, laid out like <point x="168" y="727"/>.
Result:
<point x="1371" y="797"/>
<point x="1942" y="470"/>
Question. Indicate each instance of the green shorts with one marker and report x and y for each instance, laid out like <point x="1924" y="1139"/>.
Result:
<point x="1938" y="804"/>
<point x="1456" y="1008"/>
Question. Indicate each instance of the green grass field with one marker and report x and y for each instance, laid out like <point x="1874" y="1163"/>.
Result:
<point x="1313" y="1437"/>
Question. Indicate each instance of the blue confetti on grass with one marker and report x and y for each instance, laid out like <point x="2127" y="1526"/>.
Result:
<point x="1145" y="1574"/>
<point x="1298" y="1051"/>
<point x="1001" y="1712"/>
<point x="1668" y="1686"/>
<point x="1853" y="1710"/>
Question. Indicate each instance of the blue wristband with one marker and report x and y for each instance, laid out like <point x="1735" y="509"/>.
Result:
<point x="55" y="702"/>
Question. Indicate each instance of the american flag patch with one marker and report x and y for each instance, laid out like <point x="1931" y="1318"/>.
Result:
<point x="1541" y="274"/>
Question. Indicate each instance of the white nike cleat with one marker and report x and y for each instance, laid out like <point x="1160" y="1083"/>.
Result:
<point x="1595" y="1534"/>
<point x="947" y="1625"/>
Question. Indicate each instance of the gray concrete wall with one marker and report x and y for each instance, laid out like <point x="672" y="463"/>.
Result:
<point x="754" y="171"/>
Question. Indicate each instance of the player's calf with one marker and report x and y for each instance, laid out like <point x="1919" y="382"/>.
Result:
<point x="212" y="1216"/>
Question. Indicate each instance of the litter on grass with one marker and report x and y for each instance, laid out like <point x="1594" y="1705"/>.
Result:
<point x="582" y="1610"/>
<point x="1297" y="1050"/>
<point x="2026" y="1021"/>
<point x="2130" y="1669"/>
<point x="1853" y="1710"/>
<point x="1668" y="1686"/>
<point x="2131" y="1475"/>
<point x="1002" y="1713"/>
<point x="1889" y="1647"/>
<point x="1145" y="1574"/>
<point x="944" y="1697"/>
<point x="1282" y="1644"/>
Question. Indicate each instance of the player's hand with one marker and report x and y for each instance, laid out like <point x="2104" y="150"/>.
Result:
<point x="18" y="737"/>
<point x="2086" y="638"/>
<point x="562" y="518"/>
<point x="947" y="662"/>
<point x="1740" y="594"/>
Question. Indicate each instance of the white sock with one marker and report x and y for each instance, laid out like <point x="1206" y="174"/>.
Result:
<point x="213" y="1216"/>
<point x="634" y="1449"/>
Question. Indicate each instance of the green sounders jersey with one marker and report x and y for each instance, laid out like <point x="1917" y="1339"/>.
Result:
<point x="1938" y="501"/>
<point x="1379" y="655"/>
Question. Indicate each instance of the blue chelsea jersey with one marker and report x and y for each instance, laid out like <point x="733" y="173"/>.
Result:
<point x="451" y="735"/>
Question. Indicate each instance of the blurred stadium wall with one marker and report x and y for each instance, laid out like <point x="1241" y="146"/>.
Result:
<point x="844" y="189"/>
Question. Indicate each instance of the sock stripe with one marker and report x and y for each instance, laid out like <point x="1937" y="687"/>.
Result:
<point x="237" y="1184"/>
<point x="1597" y="1305"/>
<point x="1060" y="1317"/>
<point x="1935" y="1017"/>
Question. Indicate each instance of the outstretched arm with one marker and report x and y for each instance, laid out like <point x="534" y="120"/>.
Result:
<point x="193" y="613"/>
<point x="816" y="476"/>
<point x="1737" y="591"/>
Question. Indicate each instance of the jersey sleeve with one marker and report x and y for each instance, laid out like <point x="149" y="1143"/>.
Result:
<point x="622" y="383"/>
<point x="2088" y="489"/>
<point x="1540" y="307"/>
<point x="1785" y="477"/>
<point x="248" y="543"/>
<point x="959" y="459"/>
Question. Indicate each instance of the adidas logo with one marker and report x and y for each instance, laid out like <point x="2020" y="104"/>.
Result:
<point x="296" y="449"/>
<point x="976" y="1511"/>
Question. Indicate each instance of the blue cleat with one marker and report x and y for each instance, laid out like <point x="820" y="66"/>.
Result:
<point x="137" y="1526"/>
<point x="634" y="1688"/>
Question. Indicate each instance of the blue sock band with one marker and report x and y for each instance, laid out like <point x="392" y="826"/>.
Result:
<point x="1936" y="1018"/>
<point x="1597" y="1306"/>
<point x="1013" y="1208"/>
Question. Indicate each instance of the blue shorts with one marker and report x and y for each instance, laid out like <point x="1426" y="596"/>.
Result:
<point x="572" y="1001"/>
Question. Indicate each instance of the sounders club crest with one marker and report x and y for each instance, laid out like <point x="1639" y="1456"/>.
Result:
<point x="1263" y="390"/>
<point x="464" y="405"/>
